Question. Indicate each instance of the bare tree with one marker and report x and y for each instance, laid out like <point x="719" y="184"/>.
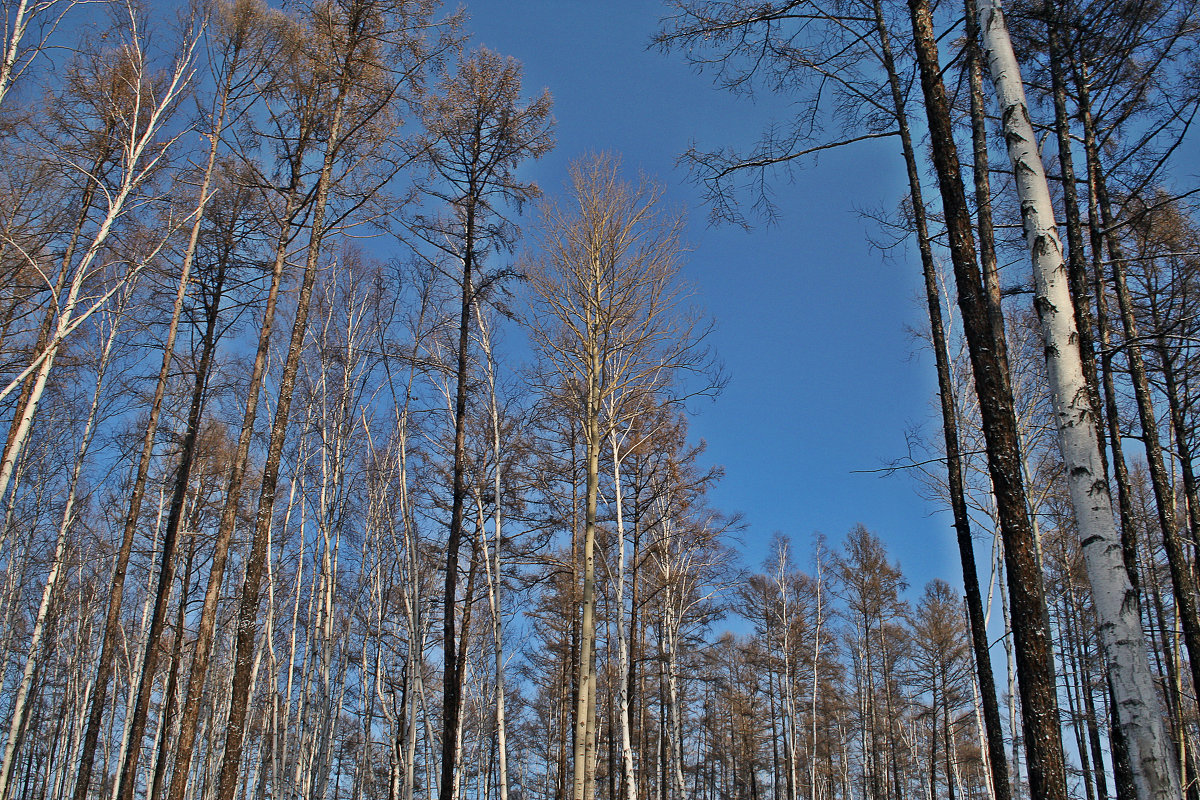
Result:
<point x="607" y="321"/>
<point x="993" y="388"/>
<point x="478" y="130"/>
<point x="369" y="55"/>
<point x="235" y="28"/>
<point x="1138" y="706"/>
<point x="142" y="115"/>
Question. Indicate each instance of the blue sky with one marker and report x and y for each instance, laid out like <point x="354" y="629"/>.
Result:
<point x="812" y="323"/>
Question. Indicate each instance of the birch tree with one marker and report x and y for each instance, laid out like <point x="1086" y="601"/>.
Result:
<point x="1138" y="707"/>
<point x="19" y="720"/>
<point x="141" y="136"/>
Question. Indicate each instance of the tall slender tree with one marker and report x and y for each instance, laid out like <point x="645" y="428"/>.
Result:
<point x="1138" y="708"/>
<point x="478" y="129"/>
<point x="608" y="320"/>
<point x="1047" y="773"/>
<point x="234" y="28"/>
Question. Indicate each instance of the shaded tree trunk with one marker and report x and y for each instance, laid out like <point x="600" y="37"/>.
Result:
<point x="997" y="763"/>
<point x="1047" y="772"/>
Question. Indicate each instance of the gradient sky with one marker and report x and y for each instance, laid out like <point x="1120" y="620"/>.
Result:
<point x="812" y="322"/>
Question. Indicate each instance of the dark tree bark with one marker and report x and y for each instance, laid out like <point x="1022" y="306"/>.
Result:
<point x="168" y="561"/>
<point x="1047" y="773"/>
<point x="478" y="131"/>
<point x="190" y="716"/>
<point x="247" y="614"/>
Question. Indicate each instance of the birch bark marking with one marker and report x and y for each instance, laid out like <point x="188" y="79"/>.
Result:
<point x="1119" y="626"/>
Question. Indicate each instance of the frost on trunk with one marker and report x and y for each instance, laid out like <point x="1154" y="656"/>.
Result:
<point x="1139" y="712"/>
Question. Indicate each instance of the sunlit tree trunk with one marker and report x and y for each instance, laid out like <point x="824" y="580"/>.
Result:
<point x="628" y="774"/>
<point x="185" y="742"/>
<point x="492" y="557"/>
<point x="143" y="151"/>
<point x="1120" y="627"/>
<point x="117" y="588"/>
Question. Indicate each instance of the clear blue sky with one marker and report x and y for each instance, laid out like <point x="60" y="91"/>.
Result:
<point x="812" y="323"/>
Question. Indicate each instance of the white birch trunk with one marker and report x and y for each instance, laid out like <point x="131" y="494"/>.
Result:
<point x="284" y="701"/>
<point x="139" y="159"/>
<point x="1138" y="708"/>
<point x="622" y="643"/>
<point x="812" y="784"/>
<point x="85" y="696"/>
<point x="789" y="694"/>
<point x="671" y="751"/>
<point x="26" y="15"/>
<point x="411" y="597"/>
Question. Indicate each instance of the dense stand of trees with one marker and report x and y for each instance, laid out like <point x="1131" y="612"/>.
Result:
<point x="284" y="513"/>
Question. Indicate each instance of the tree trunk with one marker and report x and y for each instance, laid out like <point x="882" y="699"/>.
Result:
<point x="1181" y="576"/>
<point x="247" y="615"/>
<point x="18" y="720"/>
<point x="586" y="680"/>
<point x="1047" y="772"/>
<point x="493" y="573"/>
<point x="629" y="780"/>
<point x="189" y="719"/>
<point x="996" y="761"/>
<point x="117" y="587"/>
<point x="171" y="691"/>
<point x="451" y="679"/>
<point x="1119" y="623"/>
